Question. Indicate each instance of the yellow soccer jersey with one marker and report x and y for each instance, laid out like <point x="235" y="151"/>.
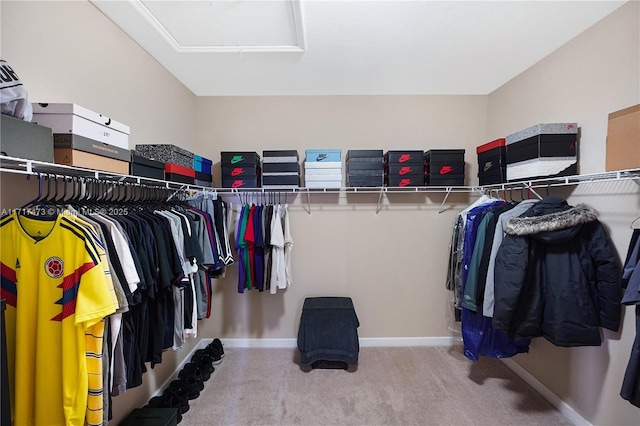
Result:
<point x="56" y="291"/>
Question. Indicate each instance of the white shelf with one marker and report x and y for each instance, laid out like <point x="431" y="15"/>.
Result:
<point x="32" y="167"/>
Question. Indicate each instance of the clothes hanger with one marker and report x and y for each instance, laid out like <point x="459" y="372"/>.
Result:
<point x="636" y="223"/>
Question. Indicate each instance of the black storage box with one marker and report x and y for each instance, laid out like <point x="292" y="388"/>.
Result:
<point x="492" y="162"/>
<point x="444" y="167"/>
<point x="240" y="182"/>
<point x="239" y="158"/>
<point x="240" y="172"/>
<point x="405" y="169"/>
<point x="144" y="167"/>
<point x="281" y="180"/>
<point x="23" y="139"/>
<point x="364" y="153"/>
<point x="377" y="164"/>
<point x="204" y="177"/>
<point x="354" y="181"/>
<point x="563" y="145"/>
<point x="449" y="180"/>
<point x="175" y="177"/>
<point x="280" y="167"/>
<point x="403" y="157"/>
<point x="151" y="416"/>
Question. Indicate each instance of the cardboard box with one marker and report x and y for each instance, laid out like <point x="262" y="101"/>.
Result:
<point x="80" y="143"/>
<point x="202" y="164"/>
<point x="23" y="139"/>
<point x="73" y="157"/>
<point x="492" y="162"/>
<point x="144" y="167"/>
<point x="403" y="157"/>
<point x="239" y="158"/>
<point x="623" y="139"/>
<point x="323" y="155"/>
<point x="75" y="119"/>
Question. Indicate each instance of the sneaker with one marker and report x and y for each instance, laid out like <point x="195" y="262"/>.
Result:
<point x="192" y="376"/>
<point x="178" y="395"/>
<point x="215" y="353"/>
<point x="205" y="362"/>
<point x="218" y="344"/>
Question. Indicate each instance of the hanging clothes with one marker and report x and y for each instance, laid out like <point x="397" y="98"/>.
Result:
<point x="57" y="297"/>
<point x="556" y="276"/>
<point x="630" y="281"/>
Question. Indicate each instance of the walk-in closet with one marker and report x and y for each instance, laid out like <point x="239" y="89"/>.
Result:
<point x="441" y="328"/>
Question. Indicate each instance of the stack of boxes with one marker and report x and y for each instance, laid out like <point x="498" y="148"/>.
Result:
<point x="323" y="168"/>
<point x="280" y="169"/>
<point x="145" y="167"/>
<point x="444" y="167"/>
<point x="492" y="162"/>
<point x="365" y="168"/>
<point x="83" y="138"/>
<point x="204" y="174"/>
<point x="178" y="162"/>
<point x="404" y="168"/>
<point x="240" y="169"/>
<point x="543" y="150"/>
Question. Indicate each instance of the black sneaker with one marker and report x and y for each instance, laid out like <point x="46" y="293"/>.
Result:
<point x="215" y="353"/>
<point x="178" y="395"/>
<point x="192" y="376"/>
<point x="164" y="401"/>
<point x="218" y="344"/>
<point x="205" y="362"/>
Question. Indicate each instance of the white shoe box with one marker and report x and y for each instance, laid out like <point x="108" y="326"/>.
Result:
<point x="66" y="118"/>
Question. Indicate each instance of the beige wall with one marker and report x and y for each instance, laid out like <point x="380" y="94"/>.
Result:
<point x="596" y="73"/>
<point x="67" y="51"/>
<point x="393" y="264"/>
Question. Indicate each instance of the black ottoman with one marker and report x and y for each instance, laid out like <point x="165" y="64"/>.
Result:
<point x="328" y="332"/>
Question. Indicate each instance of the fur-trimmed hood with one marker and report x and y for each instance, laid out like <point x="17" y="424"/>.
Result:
<point x="572" y="217"/>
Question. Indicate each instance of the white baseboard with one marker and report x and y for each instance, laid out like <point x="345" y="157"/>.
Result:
<point x="565" y="409"/>
<point x="364" y="342"/>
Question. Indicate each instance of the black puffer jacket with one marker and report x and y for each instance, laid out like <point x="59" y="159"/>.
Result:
<point x="556" y="276"/>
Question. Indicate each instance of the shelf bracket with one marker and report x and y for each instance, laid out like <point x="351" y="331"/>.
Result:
<point x="380" y="201"/>
<point x="637" y="181"/>
<point x="440" y="210"/>
<point x="308" y="209"/>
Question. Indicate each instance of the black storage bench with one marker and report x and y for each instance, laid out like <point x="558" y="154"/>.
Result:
<point x="328" y="332"/>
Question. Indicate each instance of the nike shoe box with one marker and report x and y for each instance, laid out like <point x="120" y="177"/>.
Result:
<point x="405" y="169"/>
<point x="203" y="179"/>
<point x="444" y="167"/>
<point x="352" y="165"/>
<point x="492" y="162"/>
<point x="323" y="155"/>
<point x="67" y="118"/>
<point x="280" y="169"/>
<point x="177" y="173"/>
<point x="403" y="157"/>
<point x="364" y="167"/>
<point x="368" y="154"/>
<point x="202" y="164"/>
<point x="80" y="143"/>
<point x="144" y="167"/>
<point x="242" y="172"/>
<point x="166" y="153"/>
<point x="240" y="158"/>
<point x="13" y="134"/>
<point x="240" y="183"/>
<point x="406" y="180"/>
<point x="543" y="150"/>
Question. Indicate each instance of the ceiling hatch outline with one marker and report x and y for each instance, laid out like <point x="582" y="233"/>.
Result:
<point x="299" y="47"/>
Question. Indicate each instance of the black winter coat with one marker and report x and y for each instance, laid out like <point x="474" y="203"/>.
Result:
<point x="556" y="276"/>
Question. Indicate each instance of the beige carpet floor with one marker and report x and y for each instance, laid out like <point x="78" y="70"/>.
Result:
<point x="390" y="386"/>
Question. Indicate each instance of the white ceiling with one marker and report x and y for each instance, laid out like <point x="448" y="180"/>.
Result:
<point x="350" y="47"/>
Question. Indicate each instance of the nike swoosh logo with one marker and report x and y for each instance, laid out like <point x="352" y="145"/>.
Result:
<point x="404" y="158"/>
<point x="446" y="169"/>
<point x="237" y="159"/>
<point x="237" y="183"/>
<point x="405" y="170"/>
<point x="321" y="157"/>
<point x="237" y="171"/>
<point x="488" y="165"/>
<point x="405" y="182"/>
